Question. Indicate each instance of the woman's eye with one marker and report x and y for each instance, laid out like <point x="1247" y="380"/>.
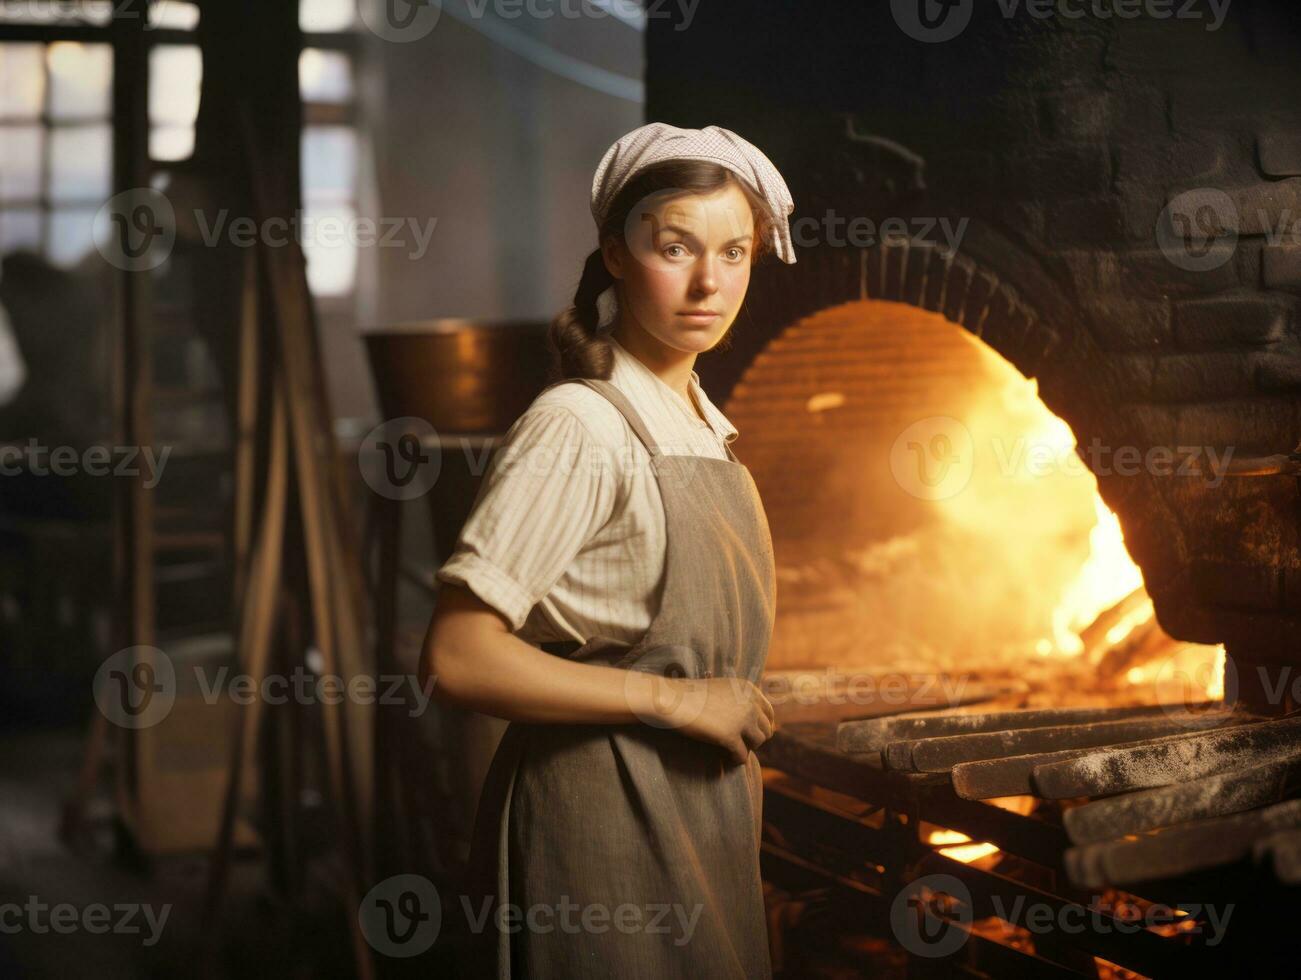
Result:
<point x="740" y="252"/>
<point x="668" y="250"/>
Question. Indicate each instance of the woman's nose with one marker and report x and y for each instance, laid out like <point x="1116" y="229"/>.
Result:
<point x="706" y="278"/>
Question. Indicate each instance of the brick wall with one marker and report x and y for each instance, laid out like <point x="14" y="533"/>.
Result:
<point x="1062" y="143"/>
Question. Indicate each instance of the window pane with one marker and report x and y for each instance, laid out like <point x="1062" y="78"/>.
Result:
<point x="20" y="162"/>
<point x="325" y="76"/>
<point x="20" y="228"/>
<point x="173" y="15"/>
<point x="80" y="78"/>
<point x="329" y="163"/>
<point x="175" y="73"/>
<point x="80" y="162"/>
<point x="71" y="236"/>
<point x="325" y="15"/>
<point x="329" y="235"/>
<point x="171" y="142"/>
<point x="22" y="80"/>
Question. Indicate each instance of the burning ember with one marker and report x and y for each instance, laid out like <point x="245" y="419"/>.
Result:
<point x="958" y="846"/>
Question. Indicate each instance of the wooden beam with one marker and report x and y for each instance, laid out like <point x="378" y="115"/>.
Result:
<point x="942" y="754"/>
<point x="1179" y="850"/>
<point x="874" y="734"/>
<point x="1160" y="763"/>
<point x="1198" y="799"/>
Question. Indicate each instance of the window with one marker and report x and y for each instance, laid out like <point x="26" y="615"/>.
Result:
<point x="55" y="145"/>
<point x="330" y="147"/>
<point x="56" y="133"/>
<point x="175" y="74"/>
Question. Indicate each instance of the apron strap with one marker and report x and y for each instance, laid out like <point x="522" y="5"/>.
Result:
<point x="620" y="401"/>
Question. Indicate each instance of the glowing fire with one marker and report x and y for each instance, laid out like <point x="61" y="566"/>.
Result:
<point x="1107" y="577"/>
<point x="1003" y="562"/>
<point x="1105" y="604"/>
<point x="958" y="846"/>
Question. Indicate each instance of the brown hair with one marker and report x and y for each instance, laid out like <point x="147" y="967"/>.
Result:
<point x="579" y="351"/>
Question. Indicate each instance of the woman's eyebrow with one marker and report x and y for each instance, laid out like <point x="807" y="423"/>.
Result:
<point x="688" y="234"/>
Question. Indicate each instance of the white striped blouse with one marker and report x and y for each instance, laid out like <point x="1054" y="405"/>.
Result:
<point x="566" y="538"/>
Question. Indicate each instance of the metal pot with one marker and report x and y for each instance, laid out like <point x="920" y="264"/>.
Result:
<point x="461" y="376"/>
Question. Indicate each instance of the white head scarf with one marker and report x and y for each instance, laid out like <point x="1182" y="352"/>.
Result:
<point x="657" y="142"/>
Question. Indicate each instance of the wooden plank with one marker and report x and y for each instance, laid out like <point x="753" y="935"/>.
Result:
<point x="285" y="271"/>
<point x="246" y="424"/>
<point x="873" y="735"/>
<point x="807" y="752"/>
<point x="133" y="516"/>
<point x="337" y="632"/>
<point x="796" y="702"/>
<point x="942" y="754"/>
<point x="1199" y="799"/>
<point x="256" y="628"/>
<point x="1179" y="850"/>
<point x="1160" y="763"/>
<point x="989" y="778"/>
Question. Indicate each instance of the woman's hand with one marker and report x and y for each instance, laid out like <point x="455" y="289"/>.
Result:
<point x="729" y="712"/>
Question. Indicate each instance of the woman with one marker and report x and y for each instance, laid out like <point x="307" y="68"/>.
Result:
<point x="618" y="830"/>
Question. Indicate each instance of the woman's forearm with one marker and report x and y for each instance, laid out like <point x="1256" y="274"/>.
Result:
<point x="477" y="665"/>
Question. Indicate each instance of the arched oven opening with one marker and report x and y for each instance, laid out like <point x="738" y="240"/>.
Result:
<point x="933" y="521"/>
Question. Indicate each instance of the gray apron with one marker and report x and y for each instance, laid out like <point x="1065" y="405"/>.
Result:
<point x="577" y="821"/>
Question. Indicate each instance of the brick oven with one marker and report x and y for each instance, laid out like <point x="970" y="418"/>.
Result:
<point x="1094" y="208"/>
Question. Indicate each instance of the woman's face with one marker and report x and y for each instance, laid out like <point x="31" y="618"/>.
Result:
<point x="683" y="255"/>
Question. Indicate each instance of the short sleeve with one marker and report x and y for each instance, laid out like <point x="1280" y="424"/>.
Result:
<point x="549" y="488"/>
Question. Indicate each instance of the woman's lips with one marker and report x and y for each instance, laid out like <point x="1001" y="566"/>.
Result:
<point x="700" y="317"/>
